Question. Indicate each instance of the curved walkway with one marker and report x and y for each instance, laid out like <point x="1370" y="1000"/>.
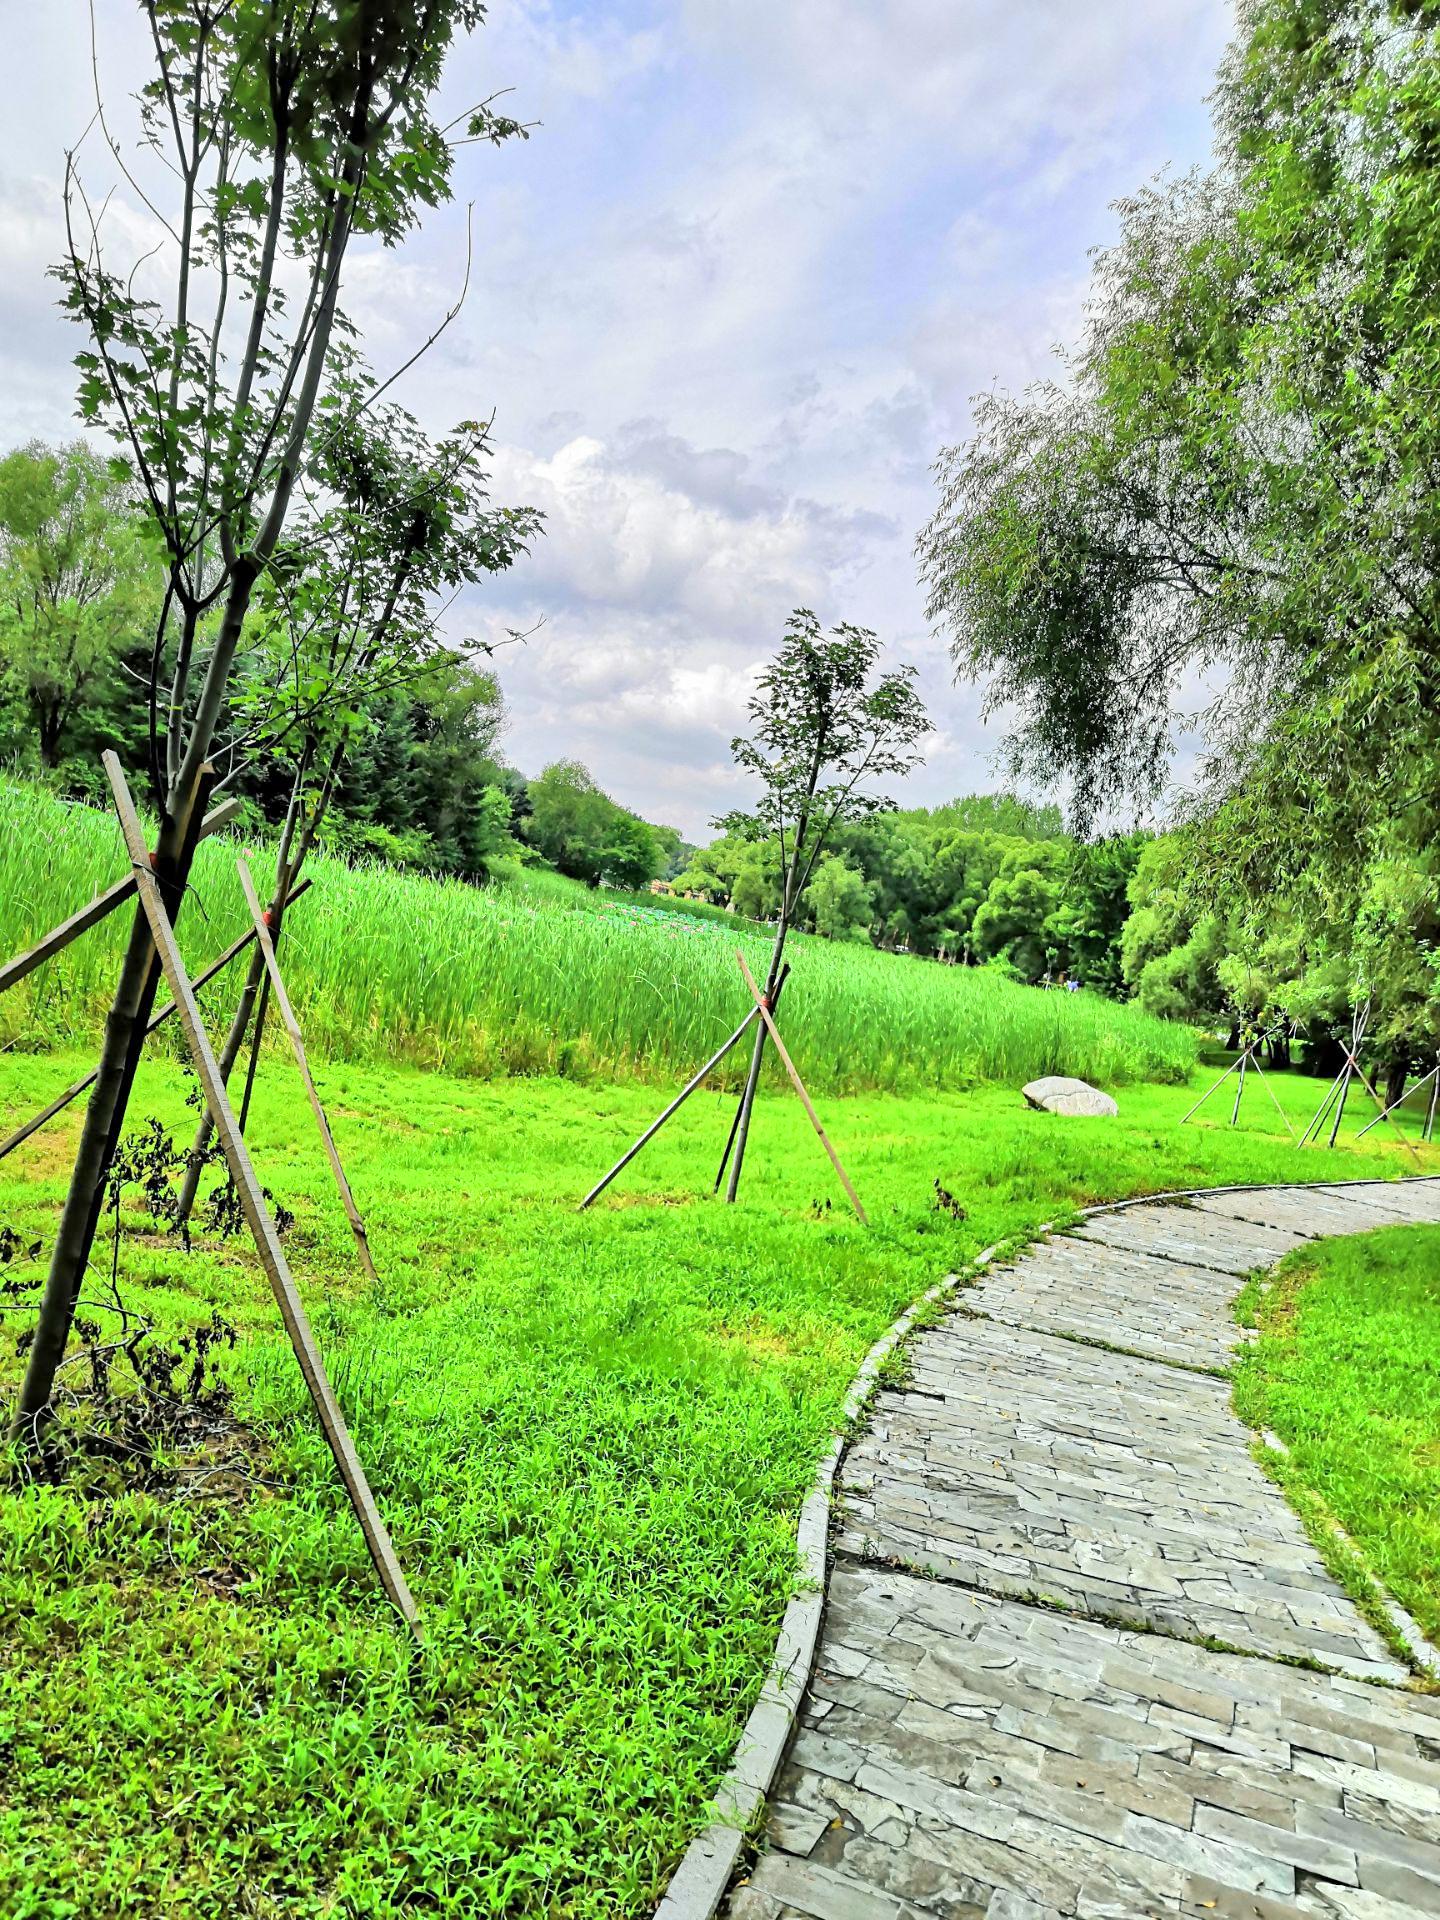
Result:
<point x="1079" y="1657"/>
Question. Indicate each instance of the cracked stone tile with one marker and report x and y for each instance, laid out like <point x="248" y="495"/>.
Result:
<point x="1076" y="1806"/>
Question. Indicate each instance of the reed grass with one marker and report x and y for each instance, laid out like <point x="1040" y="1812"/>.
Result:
<point x="540" y="975"/>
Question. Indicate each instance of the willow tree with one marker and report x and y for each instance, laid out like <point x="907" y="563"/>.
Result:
<point x="1236" y="483"/>
<point x="826" y="725"/>
<point x="273" y="134"/>
<point x="78" y="586"/>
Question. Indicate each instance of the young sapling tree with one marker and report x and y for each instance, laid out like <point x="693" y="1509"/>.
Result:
<point x="345" y="615"/>
<point x="272" y="134"/>
<point x="827" y="725"/>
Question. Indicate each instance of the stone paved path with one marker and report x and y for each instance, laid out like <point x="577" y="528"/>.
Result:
<point x="1057" y="1673"/>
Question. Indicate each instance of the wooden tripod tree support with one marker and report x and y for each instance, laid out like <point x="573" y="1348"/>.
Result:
<point x="262" y="1227"/>
<point x="760" y="1011"/>
<point x="783" y="976"/>
<point x="1312" y="1131"/>
<point x="167" y="1012"/>
<point x="1431" y="1080"/>
<point x="297" y="1044"/>
<point x="1252" y="1055"/>
<point x="105" y="903"/>
<point x="763" y="1008"/>
<point x="1340" y="1086"/>
<point x="674" y="1107"/>
<point x="1382" y="1111"/>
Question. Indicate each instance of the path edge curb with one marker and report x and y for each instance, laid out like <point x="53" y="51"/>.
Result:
<point x="702" y="1878"/>
<point x="699" y="1883"/>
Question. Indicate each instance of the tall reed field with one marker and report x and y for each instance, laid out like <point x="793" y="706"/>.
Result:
<point x="541" y="976"/>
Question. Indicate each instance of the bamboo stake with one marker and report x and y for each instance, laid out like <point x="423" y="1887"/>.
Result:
<point x="297" y="1044"/>
<point x="1345" y="1078"/>
<point x="1429" y="1133"/>
<point x="740" y="1103"/>
<point x="1239" y="1088"/>
<point x="262" y="1227"/>
<point x="1312" y="1130"/>
<point x="678" y="1102"/>
<point x="1278" y="1108"/>
<point x="167" y="1012"/>
<point x="1215" y="1088"/>
<point x="1404" y="1140"/>
<point x="799" y="1086"/>
<point x="1433" y="1074"/>
<point x="1237" y="1064"/>
<point x="59" y="937"/>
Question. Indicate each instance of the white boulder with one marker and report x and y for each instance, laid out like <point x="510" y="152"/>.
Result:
<point x="1056" y="1094"/>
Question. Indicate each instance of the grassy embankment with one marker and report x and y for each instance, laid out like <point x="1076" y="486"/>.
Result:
<point x="1345" y="1368"/>
<point x="589" y="1433"/>
<point x="545" y="977"/>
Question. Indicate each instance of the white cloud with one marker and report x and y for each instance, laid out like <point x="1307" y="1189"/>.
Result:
<point x="726" y="304"/>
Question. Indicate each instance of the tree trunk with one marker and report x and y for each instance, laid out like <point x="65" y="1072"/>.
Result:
<point x="1340" y="1103"/>
<point x="286" y="873"/>
<point x="104" y="1117"/>
<point x="1395" y="1081"/>
<point x="50" y="725"/>
<point x="752" y="1078"/>
<point x="792" y="887"/>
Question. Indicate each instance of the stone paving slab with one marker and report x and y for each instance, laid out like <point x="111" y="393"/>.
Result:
<point x="1184" y="1233"/>
<point x="1026" y="1464"/>
<point x="1162" y="1308"/>
<point x="1413" y="1200"/>
<point x="962" y="1755"/>
<point x="966" y="1751"/>
<point x="1314" y="1215"/>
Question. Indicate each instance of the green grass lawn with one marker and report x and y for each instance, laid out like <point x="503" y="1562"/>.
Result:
<point x="1346" y="1369"/>
<point x="589" y="1435"/>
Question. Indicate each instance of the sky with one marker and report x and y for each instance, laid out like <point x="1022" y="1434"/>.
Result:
<point x="727" y="303"/>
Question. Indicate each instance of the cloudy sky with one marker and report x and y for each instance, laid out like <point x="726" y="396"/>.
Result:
<point x="727" y="303"/>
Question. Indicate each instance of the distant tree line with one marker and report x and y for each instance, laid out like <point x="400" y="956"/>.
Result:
<point x="421" y="783"/>
<point x="986" y="879"/>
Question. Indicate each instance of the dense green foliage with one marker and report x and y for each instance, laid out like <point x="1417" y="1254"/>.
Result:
<point x="585" y="835"/>
<point x="983" y="878"/>
<point x="341" y="664"/>
<point x="1346" y="1370"/>
<point x="1238" y="477"/>
<point x="390" y="966"/>
<point x="77" y="593"/>
<point x="589" y="1434"/>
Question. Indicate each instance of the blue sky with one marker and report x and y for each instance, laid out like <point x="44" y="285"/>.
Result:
<point x="727" y="304"/>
